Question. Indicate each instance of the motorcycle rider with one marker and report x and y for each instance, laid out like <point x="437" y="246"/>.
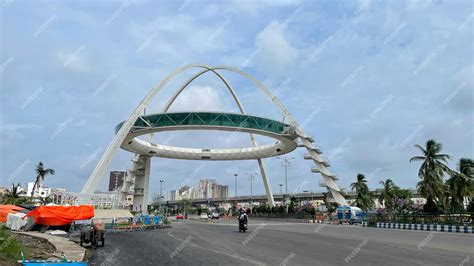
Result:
<point x="243" y="218"/>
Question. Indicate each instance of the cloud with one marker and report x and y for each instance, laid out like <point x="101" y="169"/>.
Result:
<point x="389" y="39"/>
<point x="199" y="98"/>
<point x="254" y="8"/>
<point x="17" y="130"/>
<point x="276" y="55"/>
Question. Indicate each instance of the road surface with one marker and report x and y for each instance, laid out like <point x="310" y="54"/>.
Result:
<point x="280" y="243"/>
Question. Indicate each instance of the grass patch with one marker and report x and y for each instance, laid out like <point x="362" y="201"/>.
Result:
<point x="10" y="249"/>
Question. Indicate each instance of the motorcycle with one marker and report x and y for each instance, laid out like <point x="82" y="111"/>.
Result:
<point x="242" y="226"/>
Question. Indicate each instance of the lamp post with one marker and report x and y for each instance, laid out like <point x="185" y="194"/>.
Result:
<point x="251" y="178"/>
<point x="161" y="190"/>
<point x="286" y="163"/>
<point x="281" y="193"/>
<point x="235" y="188"/>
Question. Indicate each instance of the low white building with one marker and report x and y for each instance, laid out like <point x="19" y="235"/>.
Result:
<point x="41" y="191"/>
<point x="102" y="200"/>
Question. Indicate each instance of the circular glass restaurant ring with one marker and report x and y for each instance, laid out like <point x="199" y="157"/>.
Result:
<point x="284" y="135"/>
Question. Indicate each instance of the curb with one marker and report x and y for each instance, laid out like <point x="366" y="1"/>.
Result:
<point x="426" y="227"/>
<point x="290" y="220"/>
<point x="71" y="250"/>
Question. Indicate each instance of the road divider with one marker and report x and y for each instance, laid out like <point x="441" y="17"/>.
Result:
<point x="425" y="227"/>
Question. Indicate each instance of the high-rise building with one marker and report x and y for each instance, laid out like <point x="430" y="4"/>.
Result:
<point x="219" y="191"/>
<point x="206" y="185"/>
<point x="173" y="195"/>
<point x="208" y="189"/>
<point x="116" y="180"/>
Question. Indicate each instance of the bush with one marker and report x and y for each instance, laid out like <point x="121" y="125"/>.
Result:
<point x="470" y="207"/>
<point x="10" y="249"/>
<point x="430" y="207"/>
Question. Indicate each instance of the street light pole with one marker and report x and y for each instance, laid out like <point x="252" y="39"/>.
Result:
<point x="286" y="163"/>
<point x="161" y="190"/>
<point x="251" y="178"/>
<point x="235" y="188"/>
<point x="281" y="193"/>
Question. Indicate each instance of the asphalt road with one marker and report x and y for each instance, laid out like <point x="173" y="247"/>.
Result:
<point x="280" y="243"/>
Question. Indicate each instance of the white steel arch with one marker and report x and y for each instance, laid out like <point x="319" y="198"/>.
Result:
<point x="306" y="140"/>
<point x="261" y="163"/>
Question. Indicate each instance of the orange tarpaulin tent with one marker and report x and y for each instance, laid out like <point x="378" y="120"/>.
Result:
<point x="6" y="209"/>
<point x="61" y="215"/>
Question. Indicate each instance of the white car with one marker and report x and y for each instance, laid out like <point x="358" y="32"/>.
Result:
<point x="215" y="215"/>
<point x="203" y="216"/>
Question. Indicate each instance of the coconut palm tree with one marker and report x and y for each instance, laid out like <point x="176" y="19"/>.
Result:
<point x="431" y="171"/>
<point x="12" y="196"/>
<point x="363" y="199"/>
<point x="387" y="193"/>
<point x="461" y="183"/>
<point x="330" y="206"/>
<point x="41" y="172"/>
<point x="446" y="202"/>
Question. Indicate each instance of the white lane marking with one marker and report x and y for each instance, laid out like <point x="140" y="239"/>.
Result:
<point x="219" y="252"/>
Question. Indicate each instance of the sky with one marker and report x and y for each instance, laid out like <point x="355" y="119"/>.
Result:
<point x="367" y="79"/>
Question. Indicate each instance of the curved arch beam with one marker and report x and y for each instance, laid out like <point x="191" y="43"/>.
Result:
<point x="120" y="136"/>
<point x="305" y="139"/>
<point x="104" y="161"/>
<point x="261" y="163"/>
<point x="194" y="77"/>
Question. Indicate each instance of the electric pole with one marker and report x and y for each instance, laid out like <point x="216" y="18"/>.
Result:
<point x="286" y="163"/>
<point x="235" y="187"/>
<point x="281" y="193"/>
<point x="161" y="190"/>
<point x="251" y="178"/>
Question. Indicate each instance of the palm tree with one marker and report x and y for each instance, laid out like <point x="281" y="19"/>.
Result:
<point x="432" y="170"/>
<point x="461" y="183"/>
<point x="41" y="172"/>
<point x="363" y="199"/>
<point x="387" y="193"/>
<point x="330" y="206"/>
<point x="12" y="195"/>
<point x="446" y="204"/>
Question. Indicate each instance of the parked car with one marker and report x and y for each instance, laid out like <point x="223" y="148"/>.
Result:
<point x="203" y="216"/>
<point x="179" y="216"/>
<point x="215" y="215"/>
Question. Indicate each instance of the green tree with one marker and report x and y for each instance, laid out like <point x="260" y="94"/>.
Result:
<point x="402" y="193"/>
<point x="41" y="172"/>
<point x="460" y="184"/>
<point x="470" y="207"/>
<point x="12" y="196"/>
<point x="431" y="171"/>
<point x="363" y="198"/>
<point x="446" y="202"/>
<point x="387" y="193"/>
<point x="330" y="206"/>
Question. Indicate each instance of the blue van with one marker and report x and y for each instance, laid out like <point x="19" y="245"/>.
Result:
<point x="350" y="214"/>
